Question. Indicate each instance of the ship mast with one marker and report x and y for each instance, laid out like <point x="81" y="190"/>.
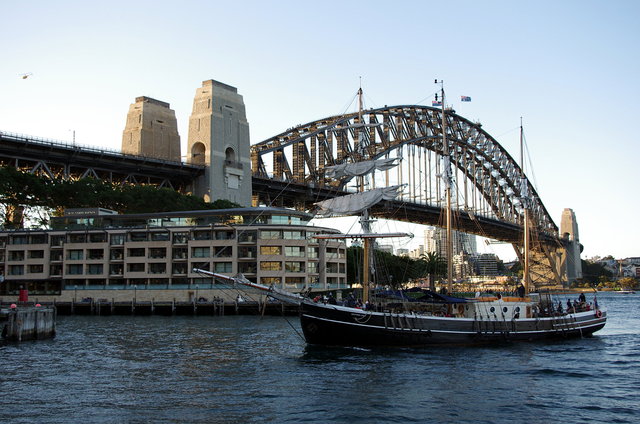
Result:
<point x="447" y="178"/>
<point x="525" y="205"/>
<point x="364" y="220"/>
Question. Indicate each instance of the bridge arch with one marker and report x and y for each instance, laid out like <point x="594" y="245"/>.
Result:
<point x="488" y="179"/>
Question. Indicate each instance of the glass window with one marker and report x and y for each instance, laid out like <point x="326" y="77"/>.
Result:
<point x="16" y="269"/>
<point x="279" y="219"/>
<point x="294" y="266"/>
<point x="247" y="267"/>
<point x="312" y="267"/>
<point x="95" y="254"/>
<point x="247" y="252"/>
<point x="77" y="238"/>
<point x="36" y="269"/>
<point x="55" y="270"/>
<point x="116" y="269"/>
<point x="202" y="235"/>
<point x="223" y="267"/>
<point x="225" y="235"/>
<point x="270" y="250"/>
<point x="295" y="251"/>
<point x="55" y="255"/>
<point x="270" y="235"/>
<point x="179" y="253"/>
<point x="75" y="254"/>
<point x="200" y="252"/>
<point x="312" y="252"/>
<point x="293" y="235"/>
<point x="74" y="269"/>
<point x="117" y="254"/>
<point x="138" y="236"/>
<point x="94" y="269"/>
<point x="157" y="252"/>
<point x="270" y="266"/>
<point x="138" y="252"/>
<point x="180" y="238"/>
<point x="117" y="239"/>
<point x="16" y="255"/>
<point x="57" y="240"/>
<point x="135" y="267"/>
<point x="294" y="281"/>
<point x="97" y="237"/>
<point x="223" y="252"/>
<point x="18" y="239"/>
<point x="157" y="268"/>
<point x="332" y="267"/>
<point x="163" y="236"/>
<point x="38" y="238"/>
<point x="179" y="269"/>
<point x="247" y="236"/>
<point x="268" y="281"/>
<point x="36" y="254"/>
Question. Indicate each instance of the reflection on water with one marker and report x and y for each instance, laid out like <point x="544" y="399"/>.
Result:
<point x="250" y="369"/>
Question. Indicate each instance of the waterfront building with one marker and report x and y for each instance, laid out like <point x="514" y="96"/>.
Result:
<point x="104" y="254"/>
<point x="435" y="242"/>
<point x="485" y="264"/>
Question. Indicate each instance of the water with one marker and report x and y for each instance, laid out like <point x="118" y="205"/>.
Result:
<point x="244" y="369"/>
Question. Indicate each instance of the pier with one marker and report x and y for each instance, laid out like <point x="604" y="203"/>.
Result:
<point x="27" y="322"/>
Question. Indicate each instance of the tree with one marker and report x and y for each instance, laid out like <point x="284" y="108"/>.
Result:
<point x="436" y="266"/>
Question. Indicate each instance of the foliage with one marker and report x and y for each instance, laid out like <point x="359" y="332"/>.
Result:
<point x="593" y="273"/>
<point x="22" y="193"/>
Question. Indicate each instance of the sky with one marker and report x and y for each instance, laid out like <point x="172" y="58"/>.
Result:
<point x="568" y="68"/>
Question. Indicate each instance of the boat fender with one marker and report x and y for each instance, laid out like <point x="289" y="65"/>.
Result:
<point x="598" y="314"/>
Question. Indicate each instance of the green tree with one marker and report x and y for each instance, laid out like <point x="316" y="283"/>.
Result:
<point x="435" y="266"/>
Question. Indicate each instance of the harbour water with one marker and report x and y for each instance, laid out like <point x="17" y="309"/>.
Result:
<point x="248" y="369"/>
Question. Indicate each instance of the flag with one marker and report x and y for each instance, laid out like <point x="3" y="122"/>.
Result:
<point x="465" y="98"/>
<point x="436" y="103"/>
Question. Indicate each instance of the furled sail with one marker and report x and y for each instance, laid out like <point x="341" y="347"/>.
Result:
<point x="359" y="168"/>
<point x="354" y="203"/>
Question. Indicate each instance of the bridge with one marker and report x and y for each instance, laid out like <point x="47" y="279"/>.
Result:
<point x="288" y="170"/>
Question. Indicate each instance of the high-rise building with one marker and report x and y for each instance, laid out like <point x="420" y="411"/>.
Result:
<point x="435" y="241"/>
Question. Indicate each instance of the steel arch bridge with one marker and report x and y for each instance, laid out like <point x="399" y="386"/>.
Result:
<point x="288" y="170"/>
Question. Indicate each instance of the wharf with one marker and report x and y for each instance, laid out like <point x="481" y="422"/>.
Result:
<point x="169" y="308"/>
<point x="24" y="322"/>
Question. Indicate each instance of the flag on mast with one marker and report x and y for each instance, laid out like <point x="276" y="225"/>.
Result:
<point x="465" y="98"/>
<point x="436" y="103"/>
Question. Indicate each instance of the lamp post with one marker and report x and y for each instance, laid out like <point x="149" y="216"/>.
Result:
<point x="75" y="294"/>
<point x="135" y="293"/>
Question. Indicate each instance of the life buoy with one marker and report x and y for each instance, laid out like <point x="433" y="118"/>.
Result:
<point x="598" y="314"/>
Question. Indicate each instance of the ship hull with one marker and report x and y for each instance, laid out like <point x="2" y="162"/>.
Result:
<point x="342" y="326"/>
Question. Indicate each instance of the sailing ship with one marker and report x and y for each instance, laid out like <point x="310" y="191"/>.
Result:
<point x="428" y="318"/>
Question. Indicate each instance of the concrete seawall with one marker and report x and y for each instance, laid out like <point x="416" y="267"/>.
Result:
<point x="28" y="322"/>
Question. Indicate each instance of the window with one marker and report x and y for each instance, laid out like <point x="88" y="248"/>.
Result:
<point x="97" y="237"/>
<point x="74" y="269"/>
<point x="270" y="250"/>
<point x="116" y="269"/>
<point x="55" y="255"/>
<point x="75" y="255"/>
<point x="223" y="267"/>
<point x="77" y="238"/>
<point x="295" y="251"/>
<point x="117" y="239"/>
<point x="38" y="238"/>
<point x="94" y="269"/>
<point x="223" y="252"/>
<point x="138" y="236"/>
<point x="179" y="253"/>
<point x="22" y="239"/>
<point x="179" y="269"/>
<point x="280" y="219"/>
<point x="164" y="236"/>
<point x="36" y="269"/>
<point x="270" y="266"/>
<point x="312" y="267"/>
<point x="247" y="237"/>
<point x="268" y="281"/>
<point x="294" y="281"/>
<point x="57" y="240"/>
<point x="202" y="235"/>
<point x="55" y="270"/>
<point x="16" y="255"/>
<point x="225" y="235"/>
<point x="16" y="269"/>
<point x="117" y="254"/>
<point x="293" y="235"/>
<point x="138" y="252"/>
<point x="270" y="235"/>
<point x="247" y="252"/>
<point x="294" y="266"/>
<point x="95" y="254"/>
<point x="135" y="267"/>
<point x="160" y="268"/>
<point x="180" y="238"/>
<point x="247" y="267"/>
<point x="332" y="267"/>
<point x="200" y="252"/>
<point x="312" y="252"/>
<point x="157" y="252"/>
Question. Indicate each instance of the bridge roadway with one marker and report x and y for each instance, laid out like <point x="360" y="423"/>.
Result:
<point x="64" y="160"/>
<point x="291" y="194"/>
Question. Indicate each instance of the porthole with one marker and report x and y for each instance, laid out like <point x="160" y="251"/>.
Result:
<point x="505" y="309"/>
<point x="492" y="309"/>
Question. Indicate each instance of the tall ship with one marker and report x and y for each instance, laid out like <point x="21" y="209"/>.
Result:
<point x="423" y="317"/>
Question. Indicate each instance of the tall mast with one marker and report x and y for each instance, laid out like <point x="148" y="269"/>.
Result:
<point x="364" y="220"/>
<point x="525" y="204"/>
<point x="447" y="184"/>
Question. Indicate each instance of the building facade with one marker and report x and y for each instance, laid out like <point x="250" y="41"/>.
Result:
<point x="100" y="250"/>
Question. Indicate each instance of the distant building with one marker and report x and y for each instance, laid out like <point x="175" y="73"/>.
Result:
<point x="485" y="264"/>
<point x="417" y="253"/>
<point x="435" y="241"/>
<point x="570" y="260"/>
<point x="388" y="248"/>
<point x="402" y="252"/>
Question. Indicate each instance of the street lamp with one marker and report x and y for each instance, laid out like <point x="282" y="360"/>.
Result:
<point x="135" y="293"/>
<point x="75" y="294"/>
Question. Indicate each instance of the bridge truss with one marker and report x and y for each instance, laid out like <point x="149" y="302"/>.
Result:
<point x="288" y="170"/>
